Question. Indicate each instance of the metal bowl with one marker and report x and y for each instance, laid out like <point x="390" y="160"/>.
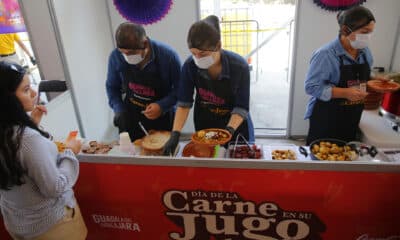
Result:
<point x="338" y="142"/>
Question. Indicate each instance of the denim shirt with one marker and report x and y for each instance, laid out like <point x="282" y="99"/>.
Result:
<point x="163" y="59"/>
<point x="234" y="68"/>
<point x="324" y="71"/>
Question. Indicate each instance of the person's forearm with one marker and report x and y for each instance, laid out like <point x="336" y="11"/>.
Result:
<point x="22" y="45"/>
<point x="235" y="121"/>
<point x="168" y="102"/>
<point x="180" y="118"/>
<point x="338" y="92"/>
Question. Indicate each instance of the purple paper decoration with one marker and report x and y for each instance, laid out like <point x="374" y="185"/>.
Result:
<point x="143" y="11"/>
<point x="336" y="5"/>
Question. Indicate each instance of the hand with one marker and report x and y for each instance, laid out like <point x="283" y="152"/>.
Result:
<point x="354" y="94"/>
<point x="171" y="144"/>
<point x="120" y="121"/>
<point x="152" y="111"/>
<point x="33" y="60"/>
<point x="230" y="129"/>
<point x="37" y="113"/>
<point x="75" y="145"/>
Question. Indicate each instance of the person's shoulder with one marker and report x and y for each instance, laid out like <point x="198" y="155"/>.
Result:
<point x="327" y="51"/>
<point x="30" y="132"/>
<point x="367" y="52"/>
<point x="189" y="63"/>
<point x="116" y="59"/>
<point x="115" y="53"/>
<point x="234" y="58"/>
<point x="162" y="47"/>
<point x="327" y="48"/>
<point x="31" y="136"/>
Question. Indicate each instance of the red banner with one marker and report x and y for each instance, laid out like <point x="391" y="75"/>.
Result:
<point x="161" y="202"/>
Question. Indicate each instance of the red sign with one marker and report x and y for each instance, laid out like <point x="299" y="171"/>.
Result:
<point x="120" y="201"/>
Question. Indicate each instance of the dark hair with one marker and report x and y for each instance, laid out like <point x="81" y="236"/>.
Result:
<point x="130" y="36"/>
<point x="13" y="120"/>
<point x="204" y="34"/>
<point x="354" y="18"/>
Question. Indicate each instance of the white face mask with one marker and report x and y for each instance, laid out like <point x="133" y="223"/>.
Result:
<point x="362" y="41"/>
<point x="204" y="62"/>
<point x="133" y="59"/>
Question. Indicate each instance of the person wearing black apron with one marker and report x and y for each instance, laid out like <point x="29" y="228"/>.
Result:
<point x="337" y="103"/>
<point x="222" y="82"/>
<point x="142" y="89"/>
<point x="143" y="76"/>
<point x="214" y="104"/>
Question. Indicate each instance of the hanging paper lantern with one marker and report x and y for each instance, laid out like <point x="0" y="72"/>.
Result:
<point x="143" y="11"/>
<point x="336" y="5"/>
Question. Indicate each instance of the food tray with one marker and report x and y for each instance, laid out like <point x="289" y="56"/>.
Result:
<point x="268" y="149"/>
<point x="199" y="137"/>
<point x="198" y="150"/>
<point x="97" y="147"/>
<point x="243" y="151"/>
<point x="219" y="151"/>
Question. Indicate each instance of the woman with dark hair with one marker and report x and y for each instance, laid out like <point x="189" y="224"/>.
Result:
<point x="337" y="77"/>
<point x="221" y="79"/>
<point x="36" y="196"/>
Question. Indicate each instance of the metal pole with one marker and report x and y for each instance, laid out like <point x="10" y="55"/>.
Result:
<point x="65" y="66"/>
<point x="395" y="49"/>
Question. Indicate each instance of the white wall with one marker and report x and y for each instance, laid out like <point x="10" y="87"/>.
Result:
<point x="87" y="41"/>
<point x="60" y="119"/>
<point x="61" y="116"/>
<point x="315" y="27"/>
<point x="172" y="30"/>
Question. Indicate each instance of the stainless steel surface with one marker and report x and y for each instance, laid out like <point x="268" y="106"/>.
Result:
<point x="355" y="166"/>
<point x="389" y="116"/>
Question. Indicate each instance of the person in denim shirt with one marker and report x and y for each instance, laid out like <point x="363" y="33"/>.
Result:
<point x="221" y="79"/>
<point x="337" y="76"/>
<point x="142" y="81"/>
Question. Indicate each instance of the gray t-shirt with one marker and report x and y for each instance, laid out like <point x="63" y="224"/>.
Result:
<point x="33" y="208"/>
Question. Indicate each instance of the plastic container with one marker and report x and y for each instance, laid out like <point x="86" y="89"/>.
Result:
<point x="244" y="151"/>
<point x="125" y="144"/>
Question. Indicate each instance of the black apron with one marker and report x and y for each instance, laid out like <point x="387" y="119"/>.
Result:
<point x="339" y="118"/>
<point x="214" y="104"/>
<point x="143" y="88"/>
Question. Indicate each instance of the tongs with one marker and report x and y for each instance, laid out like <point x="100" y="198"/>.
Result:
<point x="251" y="150"/>
<point x="143" y="129"/>
<point x="362" y="149"/>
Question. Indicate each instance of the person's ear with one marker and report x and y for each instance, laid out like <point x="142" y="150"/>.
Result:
<point x="345" y="30"/>
<point x="146" y="43"/>
<point x="219" y="46"/>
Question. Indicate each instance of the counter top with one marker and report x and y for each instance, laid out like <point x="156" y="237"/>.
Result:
<point x="376" y="131"/>
<point x="228" y="163"/>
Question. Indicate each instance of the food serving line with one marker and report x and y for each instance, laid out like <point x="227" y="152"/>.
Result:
<point x="124" y="196"/>
<point x="156" y="197"/>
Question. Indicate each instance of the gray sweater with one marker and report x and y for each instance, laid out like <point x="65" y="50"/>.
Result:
<point x="34" y="207"/>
